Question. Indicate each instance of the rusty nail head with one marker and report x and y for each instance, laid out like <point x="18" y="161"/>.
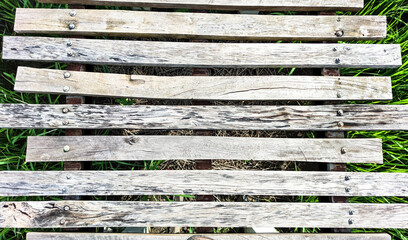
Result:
<point x="347" y="178"/>
<point x="66" y="89"/>
<point x="66" y="148"/>
<point x="67" y="75"/>
<point x="337" y="61"/>
<point x="62" y="222"/>
<point x="348" y="189"/>
<point x="339" y="33"/>
<point x="65" y="110"/>
<point x="343" y="150"/>
<point x="72" y="13"/>
<point x="340" y="113"/>
<point x="71" y="26"/>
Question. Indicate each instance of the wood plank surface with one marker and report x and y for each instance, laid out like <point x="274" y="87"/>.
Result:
<point x="249" y="117"/>
<point x="135" y="148"/>
<point x="282" y="5"/>
<point x="281" y="236"/>
<point x="196" y="182"/>
<point x="199" y="25"/>
<point x="65" y="214"/>
<point x="203" y="87"/>
<point x="198" y="54"/>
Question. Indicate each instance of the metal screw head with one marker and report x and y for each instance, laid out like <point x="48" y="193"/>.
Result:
<point x="70" y="54"/>
<point x="339" y="95"/>
<point x="350" y="221"/>
<point x="66" y="208"/>
<point x="65" y="122"/>
<point x="67" y="74"/>
<point x="334" y="49"/>
<point x="351" y="212"/>
<point x="340" y="124"/>
<point x="69" y="44"/>
<point x="340" y="113"/>
<point x="339" y="33"/>
<point x="62" y="222"/>
<point x="343" y="150"/>
<point x="72" y="13"/>
<point x="66" y="148"/>
<point x="66" y="89"/>
<point x="337" y="61"/>
<point x="71" y="26"/>
<point x="347" y="178"/>
<point x="64" y="190"/>
<point x="65" y="110"/>
<point x="68" y="177"/>
<point x="347" y="189"/>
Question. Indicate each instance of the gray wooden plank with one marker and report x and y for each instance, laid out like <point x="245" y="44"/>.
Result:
<point x="281" y="236"/>
<point x="198" y="54"/>
<point x="205" y="182"/>
<point x="323" y="118"/>
<point x="66" y="214"/>
<point x="199" y="25"/>
<point x="136" y="148"/>
<point x="282" y="5"/>
<point x="203" y="87"/>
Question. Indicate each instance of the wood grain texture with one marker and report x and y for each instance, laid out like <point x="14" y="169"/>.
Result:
<point x="203" y="87"/>
<point x="64" y="214"/>
<point x="323" y="118"/>
<point x="193" y="54"/>
<point x="134" y="148"/>
<point x="199" y="25"/>
<point x="281" y="236"/>
<point x="282" y="5"/>
<point x="197" y="182"/>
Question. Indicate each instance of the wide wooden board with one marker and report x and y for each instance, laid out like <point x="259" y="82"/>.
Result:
<point x="133" y="148"/>
<point x="249" y="117"/>
<point x="289" y="5"/>
<point x="199" y="54"/>
<point x="66" y="214"/>
<point x="35" y="80"/>
<point x="281" y="236"/>
<point x="199" y="25"/>
<point x="201" y="182"/>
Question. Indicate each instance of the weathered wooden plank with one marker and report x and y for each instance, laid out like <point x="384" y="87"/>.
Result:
<point x="282" y="5"/>
<point x="199" y="25"/>
<point x="134" y="148"/>
<point x="193" y="54"/>
<point x="323" y="118"/>
<point x="203" y="87"/>
<point x="281" y="236"/>
<point x="195" y="182"/>
<point x="64" y="214"/>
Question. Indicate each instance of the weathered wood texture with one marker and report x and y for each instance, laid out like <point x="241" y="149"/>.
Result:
<point x="281" y="236"/>
<point x="324" y="118"/>
<point x="63" y="214"/>
<point x="134" y="148"/>
<point x="283" y="5"/>
<point x="195" y="182"/>
<point x="193" y="54"/>
<point x="203" y="87"/>
<point x="199" y="25"/>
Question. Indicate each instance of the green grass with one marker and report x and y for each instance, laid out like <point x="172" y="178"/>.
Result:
<point x="13" y="142"/>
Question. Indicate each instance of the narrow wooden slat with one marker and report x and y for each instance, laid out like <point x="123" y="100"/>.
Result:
<point x="193" y="54"/>
<point x="199" y="25"/>
<point x="196" y="182"/>
<point x="282" y="5"/>
<point x="203" y="88"/>
<point x="113" y="148"/>
<point x="324" y="118"/>
<point x="281" y="236"/>
<point x="64" y="214"/>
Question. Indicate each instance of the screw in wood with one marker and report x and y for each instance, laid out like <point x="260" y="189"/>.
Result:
<point x="340" y="124"/>
<point x="67" y="75"/>
<point x="348" y="189"/>
<point x="66" y="148"/>
<point x="343" y="150"/>
<point x="70" y="54"/>
<point x="65" y="89"/>
<point x="339" y="95"/>
<point x="337" y="61"/>
<point x="339" y="33"/>
<point x="66" y="208"/>
<point x="65" y="122"/>
<point x="71" y="26"/>
<point x="340" y="113"/>
<point x="351" y="212"/>
<point x="68" y="177"/>
<point x="62" y="222"/>
<point x="64" y="190"/>
<point x="350" y="221"/>
<point x="69" y="44"/>
<point x="65" y="110"/>
<point x="72" y="13"/>
<point x="347" y="178"/>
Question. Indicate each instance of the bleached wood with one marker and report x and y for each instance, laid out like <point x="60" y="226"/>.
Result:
<point x="202" y="87"/>
<point x="281" y="236"/>
<point x="198" y="54"/>
<point x="324" y="118"/>
<point x="113" y="148"/>
<point x="290" y="5"/>
<point x="199" y="25"/>
<point x="196" y="182"/>
<point x="52" y="214"/>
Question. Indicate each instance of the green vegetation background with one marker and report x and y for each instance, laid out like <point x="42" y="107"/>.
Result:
<point x="13" y="142"/>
